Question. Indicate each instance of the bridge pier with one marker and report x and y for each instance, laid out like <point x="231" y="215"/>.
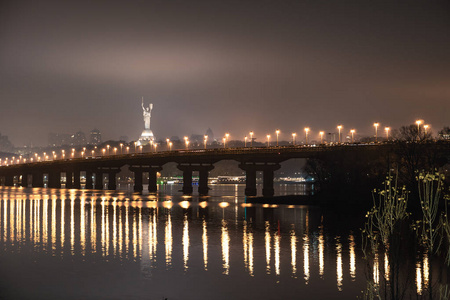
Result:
<point x="137" y="181"/>
<point x="54" y="180"/>
<point x="69" y="180"/>
<point x="152" y="177"/>
<point x="203" y="170"/>
<point x="37" y="180"/>
<point x="89" y="182"/>
<point x="9" y="180"/>
<point x="268" y="190"/>
<point x="187" y="182"/>
<point x="112" y="180"/>
<point x="76" y="180"/>
<point x="250" y="169"/>
<point x="99" y="180"/>
<point x="250" y="182"/>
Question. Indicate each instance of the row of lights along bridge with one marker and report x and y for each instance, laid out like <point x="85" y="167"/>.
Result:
<point x="153" y="147"/>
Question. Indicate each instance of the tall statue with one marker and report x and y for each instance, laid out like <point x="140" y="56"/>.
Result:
<point x="147" y="112"/>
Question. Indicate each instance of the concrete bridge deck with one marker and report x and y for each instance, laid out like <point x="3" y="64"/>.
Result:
<point x="251" y="160"/>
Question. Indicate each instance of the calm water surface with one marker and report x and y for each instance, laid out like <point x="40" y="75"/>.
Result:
<point x="78" y="244"/>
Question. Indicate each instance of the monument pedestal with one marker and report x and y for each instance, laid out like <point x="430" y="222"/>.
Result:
<point x="146" y="137"/>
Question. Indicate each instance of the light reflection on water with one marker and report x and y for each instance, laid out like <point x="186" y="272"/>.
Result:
<point x="215" y="238"/>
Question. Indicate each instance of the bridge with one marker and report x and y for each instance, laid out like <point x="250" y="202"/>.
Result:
<point x="251" y="160"/>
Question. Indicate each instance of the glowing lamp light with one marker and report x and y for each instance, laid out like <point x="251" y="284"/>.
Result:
<point x="224" y="204"/>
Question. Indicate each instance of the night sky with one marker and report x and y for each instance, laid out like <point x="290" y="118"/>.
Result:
<point x="234" y="66"/>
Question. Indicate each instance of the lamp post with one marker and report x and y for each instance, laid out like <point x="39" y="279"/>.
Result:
<point x="128" y="149"/>
<point x="167" y="143"/>
<point x="418" y="122"/>
<point x="155" y="145"/>
<point x="115" y="150"/>
<point x="321" y="133"/>
<point x="352" y="131"/>
<point x="251" y="139"/>
<point x="108" y="146"/>
<point x="426" y="127"/>
<point x="135" y="144"/>
<point x="224" y="142"/>
<point x="245" y="141"/>
<point x="293" y="138"/>
<point x="121" y="148"/>
<point x="339" y="128"/>
<point x="268" y="140"/>
<point x="386" y="129"/>
<point x="187" y="144"/>
<point x="205" y="140"/>
<point x="227" y="135"/>
<point x="376" y="131"/>
<point x="93" y="152"/>
<point x="306" y="135"/>
<point x="170" y="146"/>
<point x="278" y="133"/>
<point x="140" y="148"/>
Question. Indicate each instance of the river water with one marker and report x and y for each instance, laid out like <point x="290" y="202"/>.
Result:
<point x="80" y="244"/>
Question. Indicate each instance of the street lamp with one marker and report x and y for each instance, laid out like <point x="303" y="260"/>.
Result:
<point x="321" y="136"/>
<point x="135" y="144"/>
<point x="128" y="149"/>
<point x="277" y="132"/>
<point x="251" y="139"/>
<point x="108" y="146"/>
<point x="93" y="152"/>
<point x="352" y="131"/>
<point x="376" y="131"/>
<point x="306" y="135"/>
<point x="268" y="140"/>
<point x="115" y="150"/>
<point x="167" y="143"/>
<point x="170" y="146"/>
<point x="418" y="122"/>
<point x="103" y="150"/>
<point x="227" y="135"/>
<point x="245" y="142"/>
<point x="121" y="146"/>
<point x="140" y="148"/>
<point x="205" y="140"/>
<point x="155" y="145"/>
<point x="186" y="141"/>
<point x="293" y="138"/>
<point x="224" y="142"/>
<point x="339" y="128"/>
<point x="386" y="129"/>
<point x="426" y="127"/>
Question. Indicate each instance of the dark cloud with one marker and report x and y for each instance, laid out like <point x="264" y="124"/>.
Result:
<point x="230" y="65"/>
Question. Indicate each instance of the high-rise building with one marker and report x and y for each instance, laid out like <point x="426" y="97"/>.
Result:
<point x="95" y="137"/>
<point x="78" y="139"/>
<point x="59" y="139"/>
<point x="5" y="144"/>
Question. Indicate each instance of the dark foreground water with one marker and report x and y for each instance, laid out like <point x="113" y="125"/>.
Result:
<point x="77" y="244"/>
